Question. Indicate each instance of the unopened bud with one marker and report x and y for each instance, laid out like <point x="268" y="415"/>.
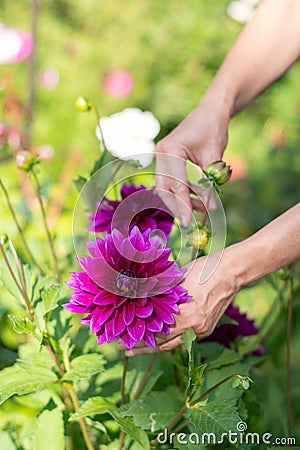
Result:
<point x="3" y="239"/>
<point x="284" y="273"/>
<point x="219" y="172"/>
<point x="198" y="239"/>
<point x="25" y="160"/>
<point x="82" y="104"/>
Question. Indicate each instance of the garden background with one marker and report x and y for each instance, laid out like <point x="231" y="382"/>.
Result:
<point x="171" y="49"/>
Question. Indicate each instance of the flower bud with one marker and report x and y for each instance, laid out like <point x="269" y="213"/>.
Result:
<point x="3" y="239"/>
<point x="198" y="239"/>
<point x="219" y="172"/>
<point x="25" y="160"/>
<point x="284" y="273"/>
<point x="82" y="104"/>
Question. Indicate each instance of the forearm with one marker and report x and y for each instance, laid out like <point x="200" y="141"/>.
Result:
<point x="266" y="48"/>
<point x="274" y="246"/>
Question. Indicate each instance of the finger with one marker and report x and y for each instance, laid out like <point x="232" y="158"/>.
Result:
<point x="172" y="177"/>
<point x="142" y="351"/>
<point x="207" y="197"/>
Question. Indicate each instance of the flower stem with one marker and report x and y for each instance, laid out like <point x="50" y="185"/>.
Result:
<point x="49" y="237"/>
<point x="288" y="360"/>
<point x="144" y="379"/>
<point x="30" y="254"/>
<point x="18" y="285"/>
<point x="123" y="399"/>
<point x="82" y="423"/>
<point x="98" y="117"/>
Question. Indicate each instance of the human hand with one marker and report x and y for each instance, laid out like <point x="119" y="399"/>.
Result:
<point x="203" y="311"/>
<point x="200" y="138"/>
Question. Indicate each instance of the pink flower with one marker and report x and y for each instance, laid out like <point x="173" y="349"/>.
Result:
<point x="49" y="78"/>
<point x="139" y="207"/>
<point x="118" y="83"/>
<point x="15" y="45"/>
<point x="128" y="288"/>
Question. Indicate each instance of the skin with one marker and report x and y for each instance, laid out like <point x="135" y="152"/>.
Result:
<point x="264" y="51"/>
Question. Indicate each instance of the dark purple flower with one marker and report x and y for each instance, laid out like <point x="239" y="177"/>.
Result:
<point x="128" y="288"/>
<point x="227" y="333"/>
<point x="139" y="207"/>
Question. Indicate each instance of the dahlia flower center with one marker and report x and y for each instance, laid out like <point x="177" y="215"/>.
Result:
<point x="127" y="283"/>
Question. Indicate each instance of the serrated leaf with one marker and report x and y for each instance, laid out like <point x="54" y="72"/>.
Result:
<point x="127" y="424"/>
<point x="50" y="297"/>
<point x="80" y="182"/>
<point x="214" y="417"/>
<point x="94" y="405"/>
<point x="24" y="325"/>
<point x="50" y="421"/>
<point x="188" y="341"/>
<point x="85" y="366"/>
<point x="226" y="358"/>
<point x="17" y="381"/>
<point x="156" y="410"/>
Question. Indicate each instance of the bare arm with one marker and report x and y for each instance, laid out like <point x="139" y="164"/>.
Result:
<point x="274" y="246"/>
<point x="266" y="48"/>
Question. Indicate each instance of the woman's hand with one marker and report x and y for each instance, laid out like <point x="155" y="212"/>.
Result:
<point x="200" y="138"/>
<point x="204" y="310"/>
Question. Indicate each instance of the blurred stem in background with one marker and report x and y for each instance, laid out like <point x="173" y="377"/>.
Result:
<point x="35" y="4"/>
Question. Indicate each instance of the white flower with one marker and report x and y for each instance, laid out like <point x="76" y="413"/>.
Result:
<point x="129" y="134"/>
<point x="241" y="11"/>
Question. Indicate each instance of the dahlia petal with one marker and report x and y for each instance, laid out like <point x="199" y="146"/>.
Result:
<point x="95" y="323"/>
<point x="144" y="311"/>
<point x="101" y="338"/>
<point x="104" y="298"/>
<point x="149" y="339"/>
<point x="164" y="314"/>
<point x="154" y="324"/>
<point x="105" y="314"/>
<point x="109" y="334"/>
<point x="74" y="308"/>
<point x="118" y="324"/>
<point x="129" y="312"/>
<point x="136" y="329"/>
<point x="128" y="341"/>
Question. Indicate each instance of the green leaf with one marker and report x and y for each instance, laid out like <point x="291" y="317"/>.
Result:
<point x="6" y="442"/>
<point x="127" y="424"/>
<point x="94" y="405"/>
<point x="49" y="433"/>
<point x="136" y="371"/>
<point x="214" y="417"/>
<point x="50" y="297"/>
<point x="16" y="380"/>
<point x="24" y="325"/>
<point x="226" y="358"/>
<point x="80" y="182"/>
<point x="156" y="410"/>
<point x="85" y="366"/>
<point x="188" y="341"/>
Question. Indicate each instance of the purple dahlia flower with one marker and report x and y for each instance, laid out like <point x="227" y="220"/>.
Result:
<point x="128" y="288"/>
<point x="139" y="206"/>
<point x="227" y="333"/>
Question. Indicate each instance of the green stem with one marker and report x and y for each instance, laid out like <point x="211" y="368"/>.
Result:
<point x="123" y="399"/>
<point x="19" y="286"/>
<point x="288" y="361"/>
<point x="144" y="379"/>
<point x="19" y="228"/>
<point x="49" y="237"/>
<point x="98" y="117"/>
